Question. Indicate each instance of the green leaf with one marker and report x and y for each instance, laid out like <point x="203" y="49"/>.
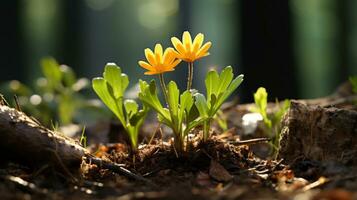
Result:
<point x="192" y="114"/>
<point x="68" y="76"/>
<point x="261" y="101"/>
<point x="225" y="79"/>
<point x="110" y="90"/>
<point x="281" y="111"/>
<point x="52" y="72"/>
<point x="212" y="80"/>
<point x="226" y="93"/>
<point x="261" y="98"/>
<point x="201" y="105"/>
<point x="101" y="88"/>
<point x="148" y="95"/>
<point x="186" y="102"/>
<point x="131" y="107"/>
<point x="118" y="81"/>
<point x="173" y="100"/>
<point x="137" y="117"/>
<point x="198" y="121"/>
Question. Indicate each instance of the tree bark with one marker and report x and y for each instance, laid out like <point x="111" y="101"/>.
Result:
<point x="23" y="139"/>
<point x="318" y="133"/>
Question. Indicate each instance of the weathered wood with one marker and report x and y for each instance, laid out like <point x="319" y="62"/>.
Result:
<point x="24" y="139"/>
<point x="318" y="133"/>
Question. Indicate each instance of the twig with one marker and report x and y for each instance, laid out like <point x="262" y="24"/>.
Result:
<point x="154" y="134"/>
<point x="117" y="168"/>
<point x="18" y="107"/>
<point x="23" y="184"/>
<point x="277" y="164"/>
<point x="251" y="141"/>
<point x="3" y="101"/>
<point x="322" y="180"/>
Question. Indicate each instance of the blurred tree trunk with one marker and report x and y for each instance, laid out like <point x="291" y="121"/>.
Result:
<point x="343" y="57"/>
<point x="71" y="49"/>
<point x="267" y="57"/>
<point x="11" y="40"/>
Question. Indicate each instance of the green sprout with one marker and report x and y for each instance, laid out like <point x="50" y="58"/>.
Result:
<point x="218" y="88"/>
<point x="271" y="122"/>
<point x="180" y="115"/>
<point x="55" y="96"/>
<point x="111" y="88"/>
<point x="261" y="102"/>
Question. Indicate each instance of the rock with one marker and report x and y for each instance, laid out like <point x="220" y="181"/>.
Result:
<point x="321" y="134"/>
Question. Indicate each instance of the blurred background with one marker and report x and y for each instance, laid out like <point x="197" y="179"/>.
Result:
<point x="294" y="48"/>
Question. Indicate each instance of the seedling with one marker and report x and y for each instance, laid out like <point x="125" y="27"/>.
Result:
<point x="218" y="88"/>
<point x="180" y="113"/>
<point x="271" y="122"/>
<point x="55" y="96"/>
<point x="111" y="88"/>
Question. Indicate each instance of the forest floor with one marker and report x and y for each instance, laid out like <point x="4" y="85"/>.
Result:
<point x="227" y="166"/>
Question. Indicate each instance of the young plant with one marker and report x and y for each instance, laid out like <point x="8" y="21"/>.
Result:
<point x="271" y="122"/>
<point x="178" y="113"/>
<point x="111" y="88"/>
<point x="55" y="96"/>
<point x="218" y="88"/>
<point x="185" y="111"/>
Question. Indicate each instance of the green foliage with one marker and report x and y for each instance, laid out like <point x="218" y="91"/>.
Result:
<point x="111" y="88"/>
<point x="353" y="81"/>
<point x="261" y="102"/>
<point x="55" y="96"/>
<point x="180" y="114"/>
<point x="221" y="120"/>
<point x="218" y="88"/>
<point x="272" y="122"/>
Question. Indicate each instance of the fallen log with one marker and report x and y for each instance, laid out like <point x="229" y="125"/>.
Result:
<point x="318" y="133"/>
<point x="26" y="140"/>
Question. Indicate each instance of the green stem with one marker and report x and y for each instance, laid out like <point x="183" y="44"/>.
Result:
<point x="206" y="128"/>
<point x="163" y="87"/>
<point x="190" y="76"/>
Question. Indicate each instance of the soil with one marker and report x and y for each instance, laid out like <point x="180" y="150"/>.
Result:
<point x="216" y="169"/>
<point x="223" y="167"/>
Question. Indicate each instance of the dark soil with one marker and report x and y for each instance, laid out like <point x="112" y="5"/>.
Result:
<point x="212" y="170"/>
<point x="217" y="169"/>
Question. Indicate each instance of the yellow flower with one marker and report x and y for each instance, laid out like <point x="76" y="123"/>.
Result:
<point x="190" y="51"/>
<point x="159" y="61"/>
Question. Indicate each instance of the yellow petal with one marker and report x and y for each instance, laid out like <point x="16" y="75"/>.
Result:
<point x="187" y="41"/>
<point x="197" y="42"/>
<point x="178" y="45"/>
<point x="175" y="63"/>
<point x="145" y="65"/>
<point x="202" y="55"/>
<point x="167" y="54"/>
<point x="169" y="68"/>
<point x="150" y="56"/>
<point x="204" y="49"/>
<point x="175" y="54"/>
<point x="158" y="53"/>
<point x="152" y="72"/>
